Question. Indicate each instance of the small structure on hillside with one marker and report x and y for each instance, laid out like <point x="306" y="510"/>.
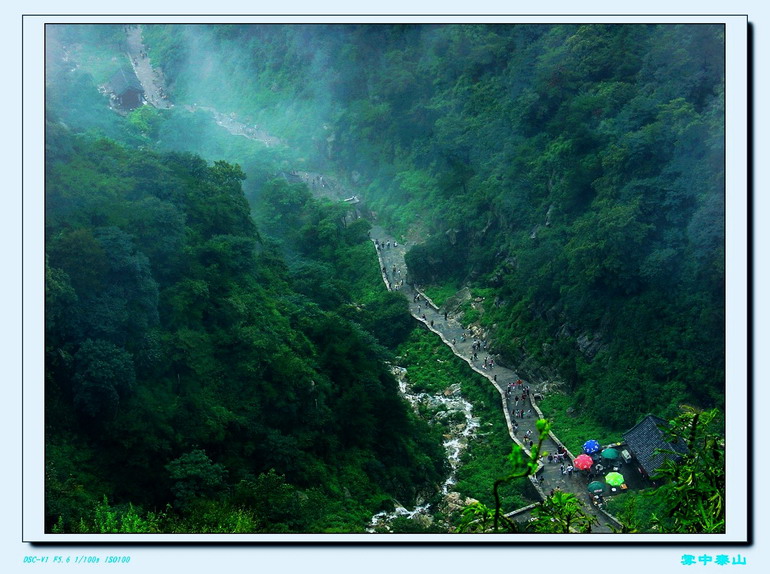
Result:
<point x="126" y="92"/>
<point x="645" y="440"/>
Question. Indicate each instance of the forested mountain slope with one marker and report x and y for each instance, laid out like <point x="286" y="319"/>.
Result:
<point x="573" y="175"/>
<point x="216" y="339"/>
<point x="190" y="368"/>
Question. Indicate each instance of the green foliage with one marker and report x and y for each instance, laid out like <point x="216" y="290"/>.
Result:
<point x="695" y="486"/>
<point x="231" y="355"/>
<point x="640" y="511"/>
<point x="71" y="489"/>
<point x="282" y="205"/>
<point x="435" y="261"/>
<point x="387" y="317"/>
<point x="575" y="426"/>
<point x="125" y="520"/>
<point x="195" y="476"/>
<point x="585" y="197"/>
<point x="103" y="375"/>
<point x="440" y="293"/>
<point x="144" y="123"/>
<point x="81" y="257"/>
<point x="575" y="173"/>
<point x="560" y="513"/>
<point x="273" y="501"/>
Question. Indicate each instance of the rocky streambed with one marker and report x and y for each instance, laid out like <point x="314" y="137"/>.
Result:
<point x="452" y="411"/>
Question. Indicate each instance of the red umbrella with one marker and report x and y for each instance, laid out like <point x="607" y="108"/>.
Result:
<point x="583" y="462"/>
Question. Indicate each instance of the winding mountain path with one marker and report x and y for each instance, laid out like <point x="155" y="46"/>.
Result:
<point x="392" y="263"/>
<point x="393" y="268"/>
<point x="151" y="79"/>
<point x="153" y="84"/>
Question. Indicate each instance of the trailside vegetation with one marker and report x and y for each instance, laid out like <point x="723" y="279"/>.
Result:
<point x="431" y="367"/>
<point x="199" y="381"/>
<point x="691" y="498"/>
<point x="559" y="513"/>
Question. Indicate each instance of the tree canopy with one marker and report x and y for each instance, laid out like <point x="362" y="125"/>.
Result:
<point x="188" y="360"/>
<point x="214" y="332"/>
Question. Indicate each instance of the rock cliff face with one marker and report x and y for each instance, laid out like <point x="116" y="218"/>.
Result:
<point x="525" y="365"/>
<point x="588" y="343"/>
<point x="453" y="303"/>
<point x="546" y="378"/>
<point x="540" y="373"/>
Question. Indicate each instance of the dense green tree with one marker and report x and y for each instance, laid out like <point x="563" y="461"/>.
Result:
<point x="195" y="476"/>
<point x="81" y="257"/>
<point x="275" y="502"/>
<point x="104" y="374"/>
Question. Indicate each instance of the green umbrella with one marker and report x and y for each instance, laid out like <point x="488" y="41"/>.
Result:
<point x="596" y="486"/>
<point x="610" y="454"/>
<point x="614" y="479"/>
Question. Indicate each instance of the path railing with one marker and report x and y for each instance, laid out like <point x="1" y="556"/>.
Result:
<point x="552" y="446"/>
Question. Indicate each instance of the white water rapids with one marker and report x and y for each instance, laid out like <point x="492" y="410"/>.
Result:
<point x="456" y="440"/>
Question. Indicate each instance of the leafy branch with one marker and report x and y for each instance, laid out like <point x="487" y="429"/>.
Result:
<point x="694" y="487"/>
<point x="477" y="516"/>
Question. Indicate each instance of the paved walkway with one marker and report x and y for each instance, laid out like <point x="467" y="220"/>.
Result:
<point x="462" y="341"/>
<point x="150" y="78"/>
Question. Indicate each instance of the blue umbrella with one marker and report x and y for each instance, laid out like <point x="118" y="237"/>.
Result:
<point x="591" y="446"/>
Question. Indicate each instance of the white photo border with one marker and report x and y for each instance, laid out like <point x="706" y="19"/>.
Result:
<point x="737" y="382"/>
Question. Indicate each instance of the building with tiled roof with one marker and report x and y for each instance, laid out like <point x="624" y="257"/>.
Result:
<point x="127" y="91"/>
<point x="645" y="440"/>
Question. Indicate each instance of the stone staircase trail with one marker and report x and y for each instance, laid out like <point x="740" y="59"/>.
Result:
<point x="461" y="340"/>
